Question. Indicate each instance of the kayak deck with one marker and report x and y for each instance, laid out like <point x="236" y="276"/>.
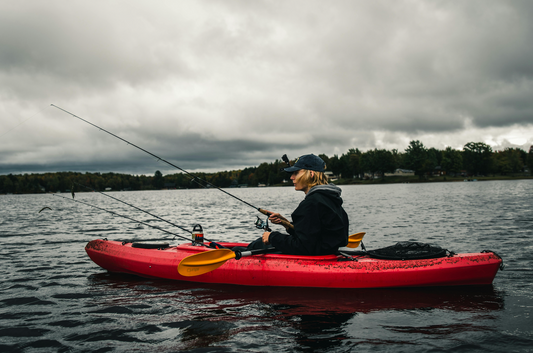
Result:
<point x="329" y="271"/>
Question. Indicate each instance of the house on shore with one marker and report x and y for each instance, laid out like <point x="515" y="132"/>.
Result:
<point x="401" y="172"/>
<point x="331" y="176"/>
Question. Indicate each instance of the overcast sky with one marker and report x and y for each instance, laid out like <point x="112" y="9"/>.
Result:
<point x="221" y="85"/>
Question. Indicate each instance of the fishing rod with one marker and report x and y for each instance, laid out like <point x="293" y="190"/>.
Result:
<point x="259" y="224"/>
<point x="131" y="219"/>
<point x="163" y="160"/>
<point x="137" y="208"/>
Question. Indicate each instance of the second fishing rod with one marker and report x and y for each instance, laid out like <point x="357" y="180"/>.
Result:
<point x="265" y="212"/>
<point x="195" y="241"/>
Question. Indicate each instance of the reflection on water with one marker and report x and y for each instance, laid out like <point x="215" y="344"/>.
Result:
<point x="311" y="300"/>
<point x="313" y="318"/>
<point x="53" y="298"/>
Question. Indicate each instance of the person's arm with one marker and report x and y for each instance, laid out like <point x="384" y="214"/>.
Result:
<point x="305" y="235"/>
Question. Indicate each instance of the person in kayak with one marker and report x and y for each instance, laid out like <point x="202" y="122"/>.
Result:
<point x="320" y="223"/>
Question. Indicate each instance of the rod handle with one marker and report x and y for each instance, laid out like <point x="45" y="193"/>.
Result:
<point x="286" y="224"/>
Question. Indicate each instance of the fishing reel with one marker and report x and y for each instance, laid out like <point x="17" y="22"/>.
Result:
<point x="260" y="224"/>
<point x="285" y="159"/>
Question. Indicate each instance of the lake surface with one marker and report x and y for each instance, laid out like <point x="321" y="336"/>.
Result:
<point x="54" y="299"/>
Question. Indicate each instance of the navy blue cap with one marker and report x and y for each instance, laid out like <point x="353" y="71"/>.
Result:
<point x="309" y="162"/>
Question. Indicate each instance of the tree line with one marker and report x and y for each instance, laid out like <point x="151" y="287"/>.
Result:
<point x="475" y="159"/>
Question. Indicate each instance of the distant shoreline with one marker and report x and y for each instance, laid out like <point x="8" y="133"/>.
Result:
<point x="432" y="179"/>
<point x="340" y="182"/>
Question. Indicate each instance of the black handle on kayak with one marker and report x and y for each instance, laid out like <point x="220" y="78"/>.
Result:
<point x="240" y="253"/>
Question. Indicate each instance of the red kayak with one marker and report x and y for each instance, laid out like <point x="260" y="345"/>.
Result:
<point x="331" y="271"/>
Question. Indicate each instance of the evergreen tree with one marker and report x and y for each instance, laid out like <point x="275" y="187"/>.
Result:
<point x="452" y="161"/>
<point x="378" y="161"/>
<point x="158" y="181"/>
<point x="334" y="165"/>
<point x="350" y="163"/>
<point x="415" y="157"/>
<point x="477" y="158"/>
<point x="507" y="161"/>
<point x="530" y="160"/>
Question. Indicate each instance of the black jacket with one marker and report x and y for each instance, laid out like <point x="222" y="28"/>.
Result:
<point x="320" y="224"/>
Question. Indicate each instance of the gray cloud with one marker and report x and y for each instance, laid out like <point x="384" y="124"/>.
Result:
<point x="222" y="85"/>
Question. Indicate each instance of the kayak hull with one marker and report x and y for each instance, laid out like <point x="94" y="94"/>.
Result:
<point x="279" y="270"/>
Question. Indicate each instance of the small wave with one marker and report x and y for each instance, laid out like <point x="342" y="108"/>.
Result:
<point x="106" y="335"/>
<point x="26" y="301"/>
<point x="114" y="310"/>
<point x="23" y="315"/>
<point x="67" y="323"/>
<point x="23" y="332"/>
<point x="72" y="296"/>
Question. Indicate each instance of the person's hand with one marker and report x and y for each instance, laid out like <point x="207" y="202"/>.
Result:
<point x="276" y="218"/>
<point x="266" y="235"/>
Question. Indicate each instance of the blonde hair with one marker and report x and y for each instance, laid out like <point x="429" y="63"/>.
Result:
<point x="318" y="178"/>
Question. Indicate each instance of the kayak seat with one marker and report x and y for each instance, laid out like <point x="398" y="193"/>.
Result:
<point x="352" y="252"/>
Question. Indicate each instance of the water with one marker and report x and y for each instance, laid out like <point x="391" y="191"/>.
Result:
<point x="54" y="299"/>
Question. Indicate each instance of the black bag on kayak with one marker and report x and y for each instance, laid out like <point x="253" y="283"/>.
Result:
<point x="408" y="250"/>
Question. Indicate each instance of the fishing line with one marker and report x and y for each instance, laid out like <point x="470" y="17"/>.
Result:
<point x="131" y="219"/>
<point x="160" y="159"/>
<point x="16" y="126"/>
<point x="137" y="208"/>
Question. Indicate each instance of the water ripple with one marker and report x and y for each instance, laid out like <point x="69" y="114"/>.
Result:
<point x="53" y="298"/>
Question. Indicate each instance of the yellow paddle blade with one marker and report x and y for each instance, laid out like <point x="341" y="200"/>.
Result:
<point x="204" y="262"/>
<point x="355" y="239"/>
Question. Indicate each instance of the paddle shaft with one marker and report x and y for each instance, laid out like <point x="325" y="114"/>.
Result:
<point x="239" y="254"/>
<point x="207" y="261"/>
